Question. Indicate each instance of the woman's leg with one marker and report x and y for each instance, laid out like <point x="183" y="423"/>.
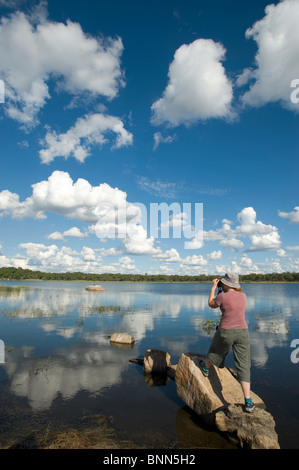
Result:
<point x="218" y="349"/>
<point x="246" y="389"/>
<point x="241" y="351"/>
<point x="208" y="363"/>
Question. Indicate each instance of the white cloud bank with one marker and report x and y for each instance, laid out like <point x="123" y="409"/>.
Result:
<point x="110" y="215"/>
<point x="102" y="205"/>
<point x="87" y="131"/>
<point x="277" y="65"/>
<point x="198" y="88"/>
<point x="34" y="50"/>
<point x="38" y="256"/>
<point x="61" y="195"/>
<point x="293" y="216"/>
<point x="261" y="237"/>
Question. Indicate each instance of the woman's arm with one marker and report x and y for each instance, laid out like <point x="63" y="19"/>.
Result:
<point x="212" y="302"/>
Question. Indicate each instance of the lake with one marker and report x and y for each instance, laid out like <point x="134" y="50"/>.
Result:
<point x="60" y="370"/>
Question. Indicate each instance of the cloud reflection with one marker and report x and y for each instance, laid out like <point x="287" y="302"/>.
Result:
<point x="81" y="357"/>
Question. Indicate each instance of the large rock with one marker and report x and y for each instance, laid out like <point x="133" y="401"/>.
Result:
<point x="156" y="362"/>
<point x="250" y="431"/>
<point x="206" y="395"/>
<point x="218" y="399"/>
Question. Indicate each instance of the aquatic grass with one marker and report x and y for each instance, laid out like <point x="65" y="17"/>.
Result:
<point x="209" y="326"/>
<point x="103" y="309"/>
<point x="107" y="308"/>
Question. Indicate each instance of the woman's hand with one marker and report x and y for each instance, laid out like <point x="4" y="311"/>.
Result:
<point x="212" y="302"/>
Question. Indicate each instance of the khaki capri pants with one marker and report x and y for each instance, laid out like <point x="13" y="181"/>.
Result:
<point x="239" y="341"/>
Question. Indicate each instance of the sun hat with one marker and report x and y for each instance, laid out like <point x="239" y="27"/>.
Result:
<point x="230" y="280"/>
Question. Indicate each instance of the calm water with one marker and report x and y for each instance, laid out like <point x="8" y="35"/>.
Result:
<point x="61" y="370"/>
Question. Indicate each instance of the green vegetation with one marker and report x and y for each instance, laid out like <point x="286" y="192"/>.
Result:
<point x="9" y="273"/>
<point x="209" y="326"/>
<point x="106" y="308"/>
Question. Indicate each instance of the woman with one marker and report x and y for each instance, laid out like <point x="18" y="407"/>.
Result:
<point x="232" y="332"/>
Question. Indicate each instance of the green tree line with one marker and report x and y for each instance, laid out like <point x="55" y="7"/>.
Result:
<point x="10" y="273"/>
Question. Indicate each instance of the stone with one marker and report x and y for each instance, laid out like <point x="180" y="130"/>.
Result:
<point x="207" y="395"/>
<point x="95" y="288"/>
<point x="156" y="361"/>
<point x="219" y="400"/>
<point x="121" y="338"/>
<point x="251" y="431"/>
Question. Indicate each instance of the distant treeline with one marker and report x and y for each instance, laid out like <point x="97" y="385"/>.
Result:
<point x="9" y="273"/>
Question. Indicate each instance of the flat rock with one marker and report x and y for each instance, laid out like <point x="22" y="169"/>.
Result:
<point x="122" y="338"/>
<point x="206" y="395"/>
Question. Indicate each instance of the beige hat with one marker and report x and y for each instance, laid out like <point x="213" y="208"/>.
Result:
<point x="230" y="280"/>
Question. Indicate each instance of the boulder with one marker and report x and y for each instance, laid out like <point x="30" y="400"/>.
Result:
<point x="207" y="395"/>
<point x="219" y="400"/>
<point x="122" y="338"/>
<point x="156" y="362"/>
<point x="170" y="371"/>
<point x="250" y="431"/>
<point x="95" y="288"/>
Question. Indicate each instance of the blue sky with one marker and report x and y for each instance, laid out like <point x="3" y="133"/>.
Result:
<point x="110" y="107"/>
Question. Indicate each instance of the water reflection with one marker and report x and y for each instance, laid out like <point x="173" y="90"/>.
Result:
<point x="83" y="366"/>
<point x="57" y="345"/>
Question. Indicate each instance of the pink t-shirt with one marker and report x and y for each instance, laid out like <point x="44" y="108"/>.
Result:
<point x="232" y="305"/>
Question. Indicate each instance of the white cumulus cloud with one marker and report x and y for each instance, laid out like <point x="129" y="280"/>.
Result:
<point x="261" y="236"/>
<point x="277" y="65"/>
<point x="87" y="131"/>
<point x="198" y="88"/>
<point x="34" y="50"/>
<point x="293" y="216"/>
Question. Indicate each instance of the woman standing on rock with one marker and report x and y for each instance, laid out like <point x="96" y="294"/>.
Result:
<point x="232" y="332"/>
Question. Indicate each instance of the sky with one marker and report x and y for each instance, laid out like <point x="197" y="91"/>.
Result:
<point x="149" y="137"/>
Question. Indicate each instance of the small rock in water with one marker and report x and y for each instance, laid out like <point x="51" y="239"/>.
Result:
<point x="121" y="338"/>
<point x="156" y="361"/>
<point x="95" y="288"/>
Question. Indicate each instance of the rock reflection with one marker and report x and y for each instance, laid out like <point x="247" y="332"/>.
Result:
<point x="155" y="380"/>
<point x="193" y="434"/>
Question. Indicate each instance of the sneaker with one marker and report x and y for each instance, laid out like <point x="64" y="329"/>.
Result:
<point x="203" y="368"/>
<point x="249" y="407"/>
